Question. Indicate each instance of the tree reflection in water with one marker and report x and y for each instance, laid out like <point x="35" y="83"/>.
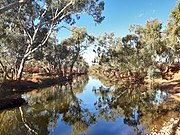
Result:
<point x="44" y="109"/>
<point x="79" y="117"/>
<point x="138" y="105"/>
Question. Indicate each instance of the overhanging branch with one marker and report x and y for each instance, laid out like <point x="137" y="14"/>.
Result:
<point x="12" y="6"/>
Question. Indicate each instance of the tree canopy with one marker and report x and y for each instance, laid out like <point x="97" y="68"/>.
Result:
<point x="26" y="29"/>
<point x="142" y="49"/>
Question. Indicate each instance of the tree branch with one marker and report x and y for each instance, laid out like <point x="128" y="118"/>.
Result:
<point x="62" y="10"/>
<point x="12" y="5"/>
<point x="36" y="30"/>
<point x="3" y="67"/>
<point x="24" y="121"/>
<point x="43" y="42"/>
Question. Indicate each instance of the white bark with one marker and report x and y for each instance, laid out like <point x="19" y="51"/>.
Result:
<point x="31" y="50"/>
<point x="25" y="123"/>
<point x="178" y="40"/>
<point x="21" y="67"/>
<point x="53" y="24"/>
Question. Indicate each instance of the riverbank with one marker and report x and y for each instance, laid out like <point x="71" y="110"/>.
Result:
<point x="37" y="81"/>
<point x="11" y="91"/>
<point x="170" y="86"/>
<point x="28" y="85"/>
<point x="169" y="128"/>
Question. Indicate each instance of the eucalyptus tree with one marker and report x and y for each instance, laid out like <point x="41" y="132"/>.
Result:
<point x="36" y="21"/>
<point x="121" y="54"/>
<point x="173" y="34"/>
<point x="57" y="57"/>
<point x="152" y="45"/>
<point x="11" y="45"/>
<point x="60" y="57"/>
<point x="135" y="52"/>
<point x="76" y="44"/>
<point x="150" y="37"/>
<point x="105" y="48"/>
<point x="81" y="65"/>
<point x="52" y="56"/>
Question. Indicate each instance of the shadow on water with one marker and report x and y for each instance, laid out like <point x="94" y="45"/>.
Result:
<point x="90" y="106"/>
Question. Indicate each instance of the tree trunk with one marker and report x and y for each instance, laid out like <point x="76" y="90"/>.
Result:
<point x="72" y="65"/>
<point x="71" y="68"/>
<point x="21" y="67"/>
<point x="5" y="72"/>
<point x="59" y="68"/>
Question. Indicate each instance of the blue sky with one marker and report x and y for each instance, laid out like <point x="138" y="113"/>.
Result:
<point x="120" y="14"/>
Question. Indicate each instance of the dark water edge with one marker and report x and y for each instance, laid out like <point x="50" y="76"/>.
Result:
<point x="89" y="106"/>
<point x="11" y="90"/>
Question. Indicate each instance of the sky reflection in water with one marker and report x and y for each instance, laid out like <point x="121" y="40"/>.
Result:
<point x="88" y="107"/>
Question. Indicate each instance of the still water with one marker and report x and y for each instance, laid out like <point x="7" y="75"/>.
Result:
<point x="90" y="106"/>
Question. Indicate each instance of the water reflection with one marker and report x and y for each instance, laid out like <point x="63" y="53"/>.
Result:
<point x="88" y="106"/>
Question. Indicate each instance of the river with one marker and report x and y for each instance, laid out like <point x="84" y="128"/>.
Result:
<point x="90" y="106"/>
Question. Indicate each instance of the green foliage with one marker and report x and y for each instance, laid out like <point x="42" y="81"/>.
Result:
<point x="140" y="51"/>
<point x="27" y="28"/>
<point x="173" y="33"/>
